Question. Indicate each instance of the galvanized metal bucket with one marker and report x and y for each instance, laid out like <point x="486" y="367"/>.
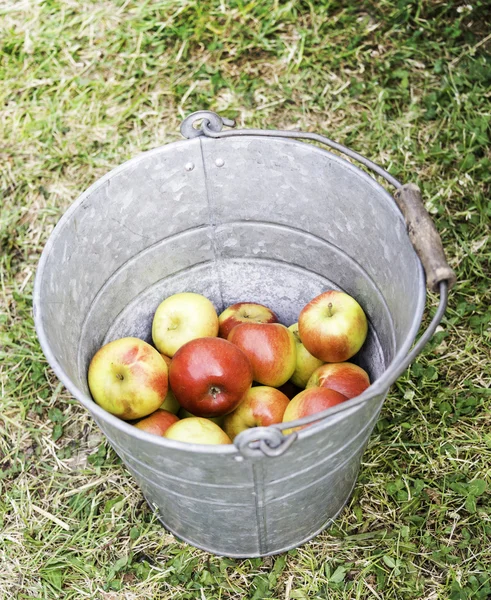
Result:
<point x="237" y="215"/>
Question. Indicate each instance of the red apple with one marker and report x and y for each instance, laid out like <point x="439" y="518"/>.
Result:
<point x="181" y="318"/>
<point x="333" y="326"/>
<point x="197" y="431"/>
<point x="209" y="376"/>
<point x="305" y="363"/>
<point x="346" y="378"/>
<point x="244" y="312"/>
<point x="270" y="347"/>
<point x="158" y="422"/>
<point x="310" y="402"/>
<point x="260" y="407"/>
<point x="128" y="378"/>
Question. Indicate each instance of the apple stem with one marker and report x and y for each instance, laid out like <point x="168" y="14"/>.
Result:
<point x="119" y="376"/>
<point x="329" y="309"/>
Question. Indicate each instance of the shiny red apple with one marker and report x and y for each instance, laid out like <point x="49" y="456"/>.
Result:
<point x="345" y="377"/>
<point x="270" y="347"/>
<point x="209" y="376"/>
<point x="244" y="312"/>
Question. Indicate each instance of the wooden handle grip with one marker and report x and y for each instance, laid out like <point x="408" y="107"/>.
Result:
<point x="424" y="237"/>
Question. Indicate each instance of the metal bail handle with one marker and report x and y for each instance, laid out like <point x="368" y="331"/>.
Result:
<point x="212" y="121"/>
<point x="260" y="441"/>
<point x="270" y="441"/>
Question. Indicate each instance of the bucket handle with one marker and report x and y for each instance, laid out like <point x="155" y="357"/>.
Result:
<point x="424" y="236"/>
<point x="440" y="278"/>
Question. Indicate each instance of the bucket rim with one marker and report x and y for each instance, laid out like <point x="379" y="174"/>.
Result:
<point x="378" y="388"/>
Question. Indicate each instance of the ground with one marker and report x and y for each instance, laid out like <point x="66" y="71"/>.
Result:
<point x="87" y="85"/>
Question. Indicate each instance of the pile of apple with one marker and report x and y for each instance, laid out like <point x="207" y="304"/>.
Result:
<point x="211" y="376"/>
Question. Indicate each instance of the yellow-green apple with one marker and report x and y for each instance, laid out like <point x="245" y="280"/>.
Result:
<point x="310" y="402"/>
<point x="345" y="377"/>
<point x="185" y="414"/>
<point x="158" y="422"/>
<point x="332" y="326"/>
<point x="271" y="349"/>
<point x="128" y="378"/>
<point x="170" y="402"/>
<point x="181" y="318"/>
<point x="260" y="407"/>
<point x="305" y="364"/>
<point x="209" y="376"/>
<point x="197" y="431"/>
<point x="244" y="312"/>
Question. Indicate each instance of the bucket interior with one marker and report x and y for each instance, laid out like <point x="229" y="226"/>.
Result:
<point x="253" y="219"/>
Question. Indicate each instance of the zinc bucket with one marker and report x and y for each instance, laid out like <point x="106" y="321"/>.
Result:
<point x="248" y="215"/>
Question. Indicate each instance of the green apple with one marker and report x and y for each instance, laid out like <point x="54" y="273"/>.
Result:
<point x="306" y="364"/>
<point x="170" y="402"/>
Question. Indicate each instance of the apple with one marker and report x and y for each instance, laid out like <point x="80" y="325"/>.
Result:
<point x="333" y="326"/>
<point x="209" y="376"/>
<point x="181" y="318"/>
<point x="167" y="359"/>
<point x="197" y="431"/>
<point x="309" y="402"/>
<point x="260" y="407"/>
<point x="244" y="312"/>
<point x="270" y="347"/>
<point x="185" y="414"/>
<point x="128" y="378"/>
<point x="306" y="364"/>
<point x="346" y="378"/>
<point x="170" y="402"/>
<point x="158" y="422"/>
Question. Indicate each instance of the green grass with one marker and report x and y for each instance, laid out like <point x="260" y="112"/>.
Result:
<point x="87" y="85"/>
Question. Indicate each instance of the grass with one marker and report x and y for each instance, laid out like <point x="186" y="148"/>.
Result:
<point x="87" y="85"/>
